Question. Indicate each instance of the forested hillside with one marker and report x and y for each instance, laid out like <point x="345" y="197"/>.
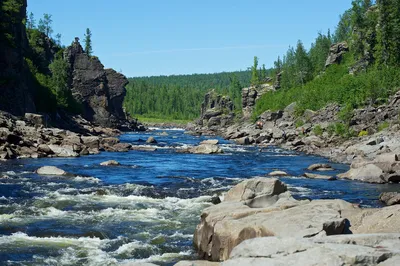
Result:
<point x="367" y="74"/>
<point x="180" y="96"/>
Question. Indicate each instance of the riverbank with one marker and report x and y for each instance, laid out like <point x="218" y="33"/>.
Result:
<point x="32" y="137"/>
<point x="368" y="140"/>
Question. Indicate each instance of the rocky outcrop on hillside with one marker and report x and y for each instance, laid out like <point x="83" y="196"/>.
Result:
<point x="251" y="94"/>
<point x="216" y="111"/>
<point x="263" y="210"/>
<point x="369" y="141"/>
<point x="336" y="53"/>
<point x="16" y="95"/>
<point x="100" y="91"/>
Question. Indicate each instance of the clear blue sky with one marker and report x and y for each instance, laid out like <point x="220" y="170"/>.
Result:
<point x="164" y="37"/>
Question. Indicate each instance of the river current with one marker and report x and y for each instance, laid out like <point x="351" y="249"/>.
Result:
<point x="145" y="210"/>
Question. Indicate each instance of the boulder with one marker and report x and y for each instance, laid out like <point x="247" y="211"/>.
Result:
<point x="143" y="148"/>
<point x="206" y="149"/>
<point x="331" y="250"/>
<point x="92" y="142"/>
<point x="122" y="147"/>
<point x="320" y="167"/>
<point x="111" y="141"/>
<point x="369" y="173"/>
<point x="256" y="191"/>
<point x="243" y="141"/>
<point x="35" y="119"/>
<point x="151" y="140"/>
<point x="50" y="170"/>
<point x="390" y="198"/>
<point x="261" y="207"/>
<point x="63" y="151"/>
<point x="110" y="163"/>
<point x="316" y="176"/>
<point x="210" y="141"/>
<point x="278" y="173"/>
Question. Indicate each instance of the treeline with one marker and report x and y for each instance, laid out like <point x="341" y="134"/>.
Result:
<point x="179" y="97"/>
<point x="372" y="31"/>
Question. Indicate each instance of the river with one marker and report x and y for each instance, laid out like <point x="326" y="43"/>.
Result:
<point x="145" y="210"/>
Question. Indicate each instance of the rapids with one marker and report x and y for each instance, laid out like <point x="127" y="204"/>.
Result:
<point x="144" y="210"/>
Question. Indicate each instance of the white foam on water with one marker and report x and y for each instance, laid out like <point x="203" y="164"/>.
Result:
<point x="89" y="179"/>
<point x="166" y="257"/>
<point x="129" y="248"/>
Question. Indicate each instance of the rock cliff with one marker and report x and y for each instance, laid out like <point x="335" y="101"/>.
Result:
<point x="216" y="111"/>
<point x="16" y="95"/>
<point x="252" y="94"/>
<point x="100" y="91"/>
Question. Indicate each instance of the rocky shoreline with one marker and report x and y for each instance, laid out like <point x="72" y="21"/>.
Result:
<point x="372" y="154"/>
<point x="29" y="137"/>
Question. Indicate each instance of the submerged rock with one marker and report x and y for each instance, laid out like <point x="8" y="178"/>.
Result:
<point x="50" y="170"/>
<point x="278" y="173"/>
<point x="316" y="176"/>
<point x="151" y="140"/>
<point x="210" y="141"/>
<point x="320" y="167"/>
<point x="110" y="163"/>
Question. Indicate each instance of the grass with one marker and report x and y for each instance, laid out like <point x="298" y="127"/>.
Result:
<point x="334" y="86"/>
<point x="154" y="120"/>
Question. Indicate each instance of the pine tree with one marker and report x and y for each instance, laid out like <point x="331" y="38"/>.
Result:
<point x="30" y="22"/>
<point x="88" y="42"/>
<point x="58" y="39"/>
<point x="45" y="25"/>
<point x="302" y="63"/>
<point x="255" y="78"/>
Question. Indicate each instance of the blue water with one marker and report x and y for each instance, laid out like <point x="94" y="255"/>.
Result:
<point x="144" y="210"/>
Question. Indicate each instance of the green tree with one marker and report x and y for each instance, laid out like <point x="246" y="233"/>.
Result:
<point x="45" y="25"/>
<point x="31" y="22"/>
<point x="59" y="81"/>
<point x="319" y="51"/>
<point x="88" y="42"/>
<point x="255" y="78"/>
<point x="302" y="64"/>
<point x="58" y="39"/>
<point x="344" y="29"/>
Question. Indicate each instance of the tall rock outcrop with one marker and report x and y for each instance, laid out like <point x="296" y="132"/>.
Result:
<point x="100" y="91"/>
<point x="250" y="95"/>
<point x="216" y="111"/>
<point x="15" y="93"/>
<point x="336" y="53"/>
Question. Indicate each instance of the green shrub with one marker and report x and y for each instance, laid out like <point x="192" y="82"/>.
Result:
<point x="383" y="126"/>
<point x="363" y="133"/>
<point x="299" y="123"/>
<point x="318" y="130"/>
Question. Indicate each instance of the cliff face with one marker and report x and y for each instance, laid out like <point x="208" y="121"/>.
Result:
<point x="100" y="91"/>
<point x="15" y="92"/>
<point x="216" y="111"/>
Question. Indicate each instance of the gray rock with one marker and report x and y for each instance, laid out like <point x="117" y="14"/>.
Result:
<point x="197" y="263"/>
<point x="63" y="151"/>
<point x="206" y="149"/>
<point x="151" y="140"/>
<point x="278" y="173"/>
<point x="35" y="119"/>
<point x="143" y="148"/>
<point x="243" y="141"/>
<point x="319" y="166"/>
<point x="336" y="53"/>
<point x="92" y="142"/>
<point x="122" y="147"/>
<point x="316" y="176"/>
<point x="50" y="170"/>
<point x="110" y="163"/>
<point x="210" y="141"/>
<point x="333" y="250"/>
<point x="390" y="198"/>
<point x="369" y="173"/>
